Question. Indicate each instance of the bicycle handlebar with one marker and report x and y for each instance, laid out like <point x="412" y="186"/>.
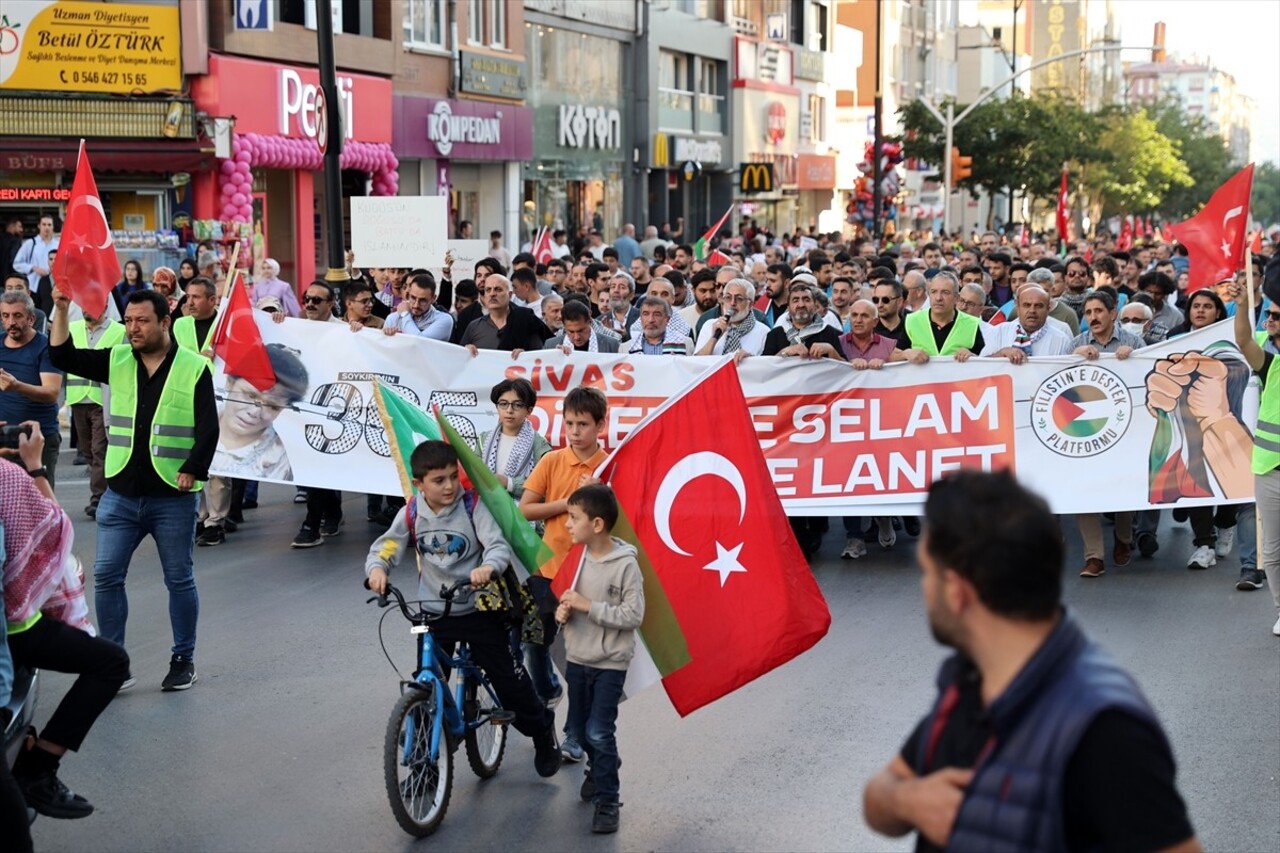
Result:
<point x="447" y="595"/>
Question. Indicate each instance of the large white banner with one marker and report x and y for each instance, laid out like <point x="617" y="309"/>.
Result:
<point x="838" y="440"/>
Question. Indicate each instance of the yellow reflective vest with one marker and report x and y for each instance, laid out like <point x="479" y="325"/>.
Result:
<point x="79" y="389"/>
<point x="962" y="335"/>
<point x="1266" y="438"/>
<point x="173" y="429"/>
<point x="184" y="332"/>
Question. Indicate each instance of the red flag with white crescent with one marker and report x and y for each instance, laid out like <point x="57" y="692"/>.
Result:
<point x="1215" y="237"/>
<point x="1063" y="212"/>
<point x="542" y="249"/>
<point x="238" y="342"/>
<point x="709" y="518"/>
<point x="86" y="266"/>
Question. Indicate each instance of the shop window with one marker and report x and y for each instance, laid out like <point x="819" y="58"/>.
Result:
<point x="424" y="23"/>
<point x="711" y="101"/>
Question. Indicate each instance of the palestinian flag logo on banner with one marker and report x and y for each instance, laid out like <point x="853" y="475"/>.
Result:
<point x="1081" y="411"/>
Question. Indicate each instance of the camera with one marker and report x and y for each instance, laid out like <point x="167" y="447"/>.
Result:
<point x="10" y="435"/>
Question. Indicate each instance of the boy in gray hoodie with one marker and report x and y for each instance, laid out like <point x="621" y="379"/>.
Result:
<point x="457" y="538"/>
<point x="600" y="615"/>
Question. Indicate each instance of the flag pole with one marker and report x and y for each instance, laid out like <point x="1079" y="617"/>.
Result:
<point x="228" y="282"/>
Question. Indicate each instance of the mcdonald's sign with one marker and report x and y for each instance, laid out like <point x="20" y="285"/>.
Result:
<point x="755" y="178"/>
<point x="661" y="150"/>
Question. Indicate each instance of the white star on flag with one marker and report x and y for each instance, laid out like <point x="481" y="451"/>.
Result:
<point x="726" y="562"/>
<point x="1226" y="249"/>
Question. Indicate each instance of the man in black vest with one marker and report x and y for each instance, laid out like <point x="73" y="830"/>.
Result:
<point x="1038" y="740"/>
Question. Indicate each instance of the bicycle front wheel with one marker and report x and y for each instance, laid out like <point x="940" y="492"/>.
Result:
<point x="486" y="742"/>
<point x="417" y="786"/>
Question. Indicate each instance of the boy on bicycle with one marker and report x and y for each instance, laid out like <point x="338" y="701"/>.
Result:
<point x="600" y="617"/>
<point x="456" y="538"/>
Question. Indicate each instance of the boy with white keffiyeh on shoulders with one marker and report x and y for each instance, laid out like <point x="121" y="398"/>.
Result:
<point x="511" y="450"/>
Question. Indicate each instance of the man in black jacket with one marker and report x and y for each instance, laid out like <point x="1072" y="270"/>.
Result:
<point x="505" y="326"/>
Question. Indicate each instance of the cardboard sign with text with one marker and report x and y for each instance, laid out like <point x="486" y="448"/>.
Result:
<point x="406" y="231"/>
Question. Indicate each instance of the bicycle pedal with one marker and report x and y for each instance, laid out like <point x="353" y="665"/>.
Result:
<point x="501" y="717"/>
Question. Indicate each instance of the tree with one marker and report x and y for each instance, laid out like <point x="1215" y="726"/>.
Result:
<point x="1265" y="204"/>
<point x="1136" y="169"/>
<point x="1206" y="154"/>
<point x="1016" y="142"/>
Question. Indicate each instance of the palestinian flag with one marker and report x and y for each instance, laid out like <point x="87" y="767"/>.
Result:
<point x="703" y="246"/>
<point x="1081" y="412"/>
<point x="406" y="427"/>
<point x="527" y="547"/>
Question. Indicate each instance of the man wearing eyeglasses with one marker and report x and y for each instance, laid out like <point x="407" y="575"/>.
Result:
<point x="418" y="315"/>
<point x="357" y="298"/>
<point x="736" y="331"/>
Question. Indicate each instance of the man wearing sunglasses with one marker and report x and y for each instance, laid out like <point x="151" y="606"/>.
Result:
<point x="887" y="297"/>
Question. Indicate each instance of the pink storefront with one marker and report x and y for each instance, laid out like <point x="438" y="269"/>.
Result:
<point x="272" y="179"/>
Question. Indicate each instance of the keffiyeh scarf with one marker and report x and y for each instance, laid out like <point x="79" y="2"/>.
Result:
<point x="41" y="574"/>
<point x="797" y="335"/>
<point x="733" y="337"/>
<point x="1024" y="340"/>
<point x="520" y="462"/>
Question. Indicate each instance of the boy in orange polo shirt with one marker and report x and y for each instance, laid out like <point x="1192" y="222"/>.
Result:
<point x="558" y="475"/>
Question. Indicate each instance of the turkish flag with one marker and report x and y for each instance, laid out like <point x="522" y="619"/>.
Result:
<point x="1126" y="236"/>
<point x="86" y="266"/>
<point x="718" y="258"/>
<point x="238" y="342"/>
<point x="693" y="482"/>
<point x="1215" y="237"/>
<point x="542" y="251"/>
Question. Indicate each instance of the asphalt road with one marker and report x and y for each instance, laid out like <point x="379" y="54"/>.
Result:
<point x="278" y="746"/>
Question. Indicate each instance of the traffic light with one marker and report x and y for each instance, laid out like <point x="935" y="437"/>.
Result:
<point x="961" y="167"/>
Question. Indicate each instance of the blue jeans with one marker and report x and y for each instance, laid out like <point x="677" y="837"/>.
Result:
<point x="594" y="695"/>
<point x="123" y="523"/>
<point x="537" y="659"/>
<point x="1247" y="535"/>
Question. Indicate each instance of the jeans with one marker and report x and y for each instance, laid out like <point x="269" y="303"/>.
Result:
<point x="101" y="664"/>
<point x="123" y="522"/>
<point x="594" y="695"/>
<point x="1247" y="535"/>
<point x="251" y="490"/>
<point x="537" y="659"/>
<point x="490" y="643"/>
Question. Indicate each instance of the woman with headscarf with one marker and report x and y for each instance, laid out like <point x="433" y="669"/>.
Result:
<point x="165" y="282"/>
<point x="132" y="280"/>
<point x="186" y="272"/>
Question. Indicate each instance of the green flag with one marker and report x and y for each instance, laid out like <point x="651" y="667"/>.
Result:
<point x="525" y="544"/>
<point x="406" y="427"/>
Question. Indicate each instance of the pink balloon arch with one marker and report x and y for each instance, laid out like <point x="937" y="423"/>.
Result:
<point x="278" y="152"/>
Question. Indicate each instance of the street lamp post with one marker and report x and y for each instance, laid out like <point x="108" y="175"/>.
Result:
<point x="950" y="120"/>
<point x="332" y="144"/>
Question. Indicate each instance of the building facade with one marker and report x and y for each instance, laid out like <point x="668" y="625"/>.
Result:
<point x="1204" y="91"/>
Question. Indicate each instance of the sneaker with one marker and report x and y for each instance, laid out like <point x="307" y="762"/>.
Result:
<point x="129" y="681"/>
<point x="854" y="548"/>
<point x="331" y="528"/>
<point x="300" y="496"/>
<point x="229" y="526"/>
<point x="571" y="749"/>
<point x="911" y="524"/>
<point x="1250" y="579"/>
<point x="48" y="796"/>
<point x="605" y="820"/>
<point x="546" y="752"/>
<point x="555" y="698"/>
<point x="886" y="535"/>
<point x="1203" y="558"/>
<point x="1147" y="544"/>
<point x="1093" y="568"/>
<point x="1122" y="553"/>
<point x="1226" y="539"/>
<point x="1275" y="629"/>
<point x="307" y="538"/>
<point x="211" y="536"/>
<point x="588" y="790"/>
<point x="182" y="674"/>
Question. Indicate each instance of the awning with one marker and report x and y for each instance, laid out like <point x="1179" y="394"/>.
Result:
<point x="106" y="155"/>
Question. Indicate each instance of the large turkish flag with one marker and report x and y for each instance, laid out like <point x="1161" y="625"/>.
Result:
<point x="694" y="484"/>
<point x="1215" y="237"/>
<point x="86" y="266"/>
<point x="237" y="341"/>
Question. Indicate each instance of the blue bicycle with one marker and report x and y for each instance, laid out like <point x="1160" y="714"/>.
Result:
<point x="429" y="720"/>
